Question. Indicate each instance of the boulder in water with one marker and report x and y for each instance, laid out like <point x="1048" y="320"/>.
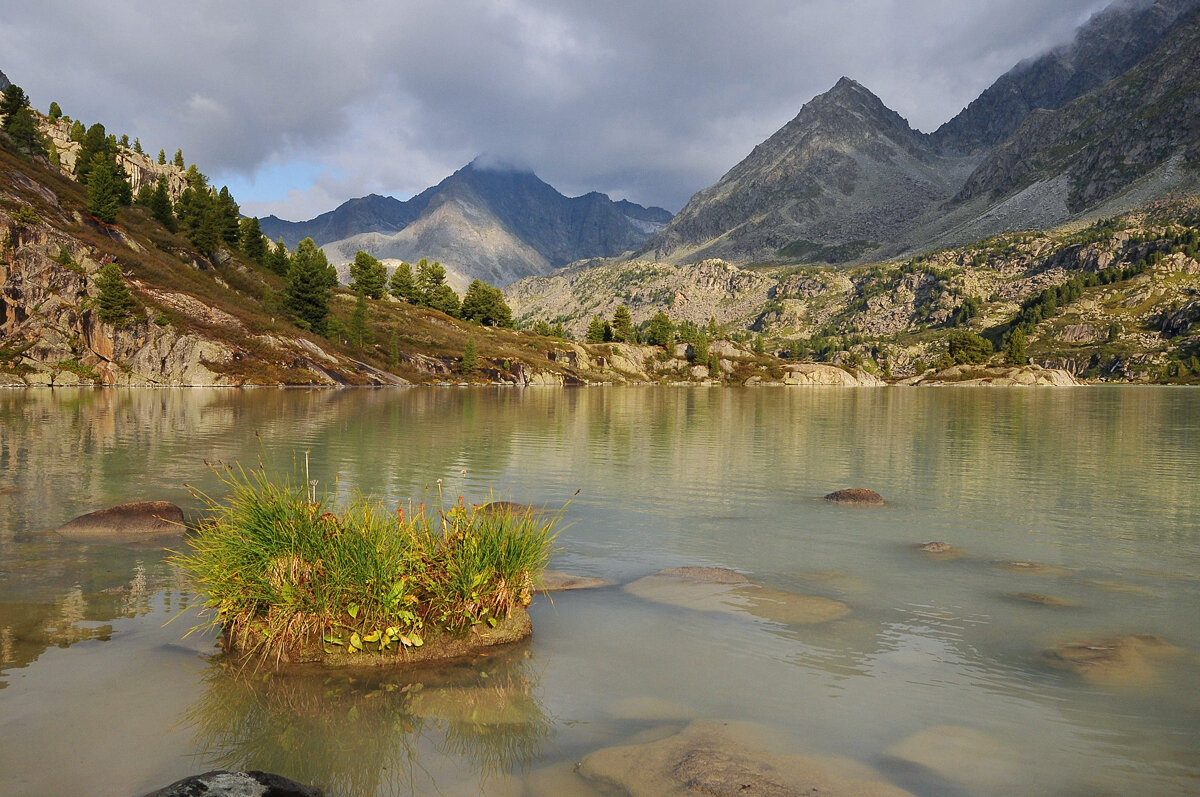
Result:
<point x="221" y="783"/>
<point x="509" y="508"/>
<point x="139" y="519"/>
<point x="855" y="495"/>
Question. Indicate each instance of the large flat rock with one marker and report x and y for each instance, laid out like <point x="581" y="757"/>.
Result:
<point x="729" y="592"/>
<point x="729" y="759"/>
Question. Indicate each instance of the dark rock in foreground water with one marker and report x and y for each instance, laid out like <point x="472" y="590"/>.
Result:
<point x="1041" y="599"/>
<point x="855" y="495"/>
<point x="509" y="508"/>
<point x="220" y="783"/>
<point x="138" y="519"/>
<point x="939" y="548"/>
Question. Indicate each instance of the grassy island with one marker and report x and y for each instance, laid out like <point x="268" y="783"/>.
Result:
<point x="290" y="578"/>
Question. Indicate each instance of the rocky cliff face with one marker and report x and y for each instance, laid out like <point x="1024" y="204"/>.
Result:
<point x="1111" y="137"/>
<point x="142" y="169"/>
<point x="845" y="171"/>
<point x="496" y="224"/>
<point x="1109" y="44"/>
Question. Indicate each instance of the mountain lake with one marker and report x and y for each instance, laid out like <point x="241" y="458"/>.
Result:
<point x="1073" y="513"/>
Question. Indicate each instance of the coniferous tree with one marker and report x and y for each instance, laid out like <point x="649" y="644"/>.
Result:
<point x="55" y="113"/>
<point x="402" y="285"/>
<point x="277" y="259"/>
<point x="162" y="157"/>
<point x="251" y="240"/>
<point x="1014" y="352"/>
<point x="115" y="303"/>
<point x="445" y="299"/>
<point x="95" y="142"/>
<point x="310" y="281"/>
<point x="429" y="277"/>
<point x="160" y="204"/>
<point x="226" y="220"/>
<point x="359" y="331"/>
<point x="137" y="146"/>
<point x="22" y="129"/>
<point x="104" y="192"/>
<point x="485" y="304"/>
<point x="178" y="160"/>
<point x="660" y="331"/>
<point x="125" y="140"/>
<point x="598" y="330"/>
<point x="622" y="325"/>
<point x="470" y="360"/>
<point x="368" y="275"/>
<point x="78" y="132"/>
<point x="13" y="100"/>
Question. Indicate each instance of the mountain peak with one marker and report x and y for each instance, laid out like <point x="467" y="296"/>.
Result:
<point x="498" y="164"/>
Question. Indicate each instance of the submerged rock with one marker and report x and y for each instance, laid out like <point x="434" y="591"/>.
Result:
<point x="715" y="589"/>
<point x="967" y="757"/>
<point x="1114" y="660"/>
<point x="509" y="508"/>
<point x="707" y="575"/>
<point x="1034" y="568"/>
<point x="558" y="581"/>
<point x="138" y="519"/>
<point x="725" y="759"/>
<point x="221" y="783"/>
<point x="855" y="495"/>
<point x="941" y="550"/>
<point x="1041" y="599"/>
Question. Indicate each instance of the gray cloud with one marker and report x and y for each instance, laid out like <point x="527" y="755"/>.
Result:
<point x="649" y="101"/>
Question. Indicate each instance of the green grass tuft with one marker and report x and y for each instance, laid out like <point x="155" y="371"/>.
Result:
<point x="283" y="571"/>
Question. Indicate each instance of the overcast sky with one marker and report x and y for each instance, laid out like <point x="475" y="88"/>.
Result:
<point x="300" y="105"/>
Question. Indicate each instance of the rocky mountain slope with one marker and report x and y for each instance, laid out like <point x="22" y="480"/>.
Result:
<point x="845" y="172"/>
<point x="1118" y="300"/>
<point x="1109" y="138"/>
<point x="1060" y="137"/>
<point x="494" y="223"/>
<point x="220" y="321"/>
<point x="1106" y="46"/>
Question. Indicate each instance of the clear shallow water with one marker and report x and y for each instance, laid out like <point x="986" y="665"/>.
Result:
<point x="1099" y="485"/>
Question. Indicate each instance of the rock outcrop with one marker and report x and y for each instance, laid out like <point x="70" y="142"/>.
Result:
<point x="825" y="374"/>
<point x="996" y="376"/>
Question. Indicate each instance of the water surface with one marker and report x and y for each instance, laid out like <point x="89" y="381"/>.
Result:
<point x="1096" y="486"/>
